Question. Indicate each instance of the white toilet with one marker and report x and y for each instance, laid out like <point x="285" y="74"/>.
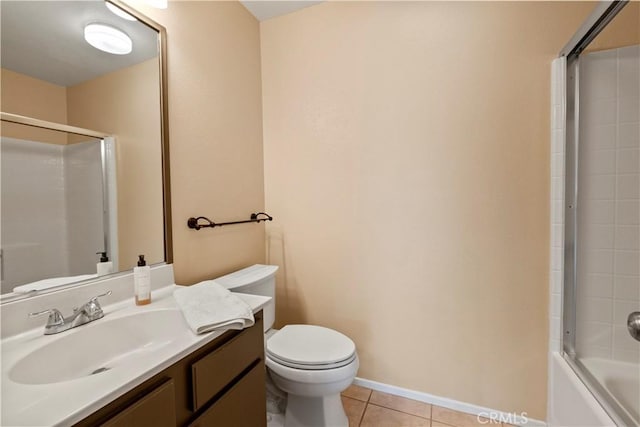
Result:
<point x="311" y="363"/>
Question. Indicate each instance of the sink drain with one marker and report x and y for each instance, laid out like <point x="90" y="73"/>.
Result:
<point x="97" y="371"/>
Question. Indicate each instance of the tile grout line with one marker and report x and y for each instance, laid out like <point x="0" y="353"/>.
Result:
<point x="362" y="415"/>
<point x="431" y="415"/>
<point x="366" y="405"/>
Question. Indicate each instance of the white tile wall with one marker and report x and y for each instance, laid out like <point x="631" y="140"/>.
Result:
<point x="598" y="285"/>
<point x="558" y="98"/>
<point x="33" y="209"/>
<point x="599" y="211"/>
<point x="51" y="208"/>
<point x="628" y="134"/>
<point x="628" y="161"/>
<point x="608" y="203"/>
<point x="602" y="137"/>
<point x="626" y="288"/>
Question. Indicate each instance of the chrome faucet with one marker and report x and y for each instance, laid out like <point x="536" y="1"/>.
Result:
<point x="57" y="323"/>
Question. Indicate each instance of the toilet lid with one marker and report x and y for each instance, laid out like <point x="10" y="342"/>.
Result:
<point x="309" y="346"/>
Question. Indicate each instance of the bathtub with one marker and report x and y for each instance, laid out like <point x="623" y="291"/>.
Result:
<point x="620" y="380"/>
<point x="570" y="403"/>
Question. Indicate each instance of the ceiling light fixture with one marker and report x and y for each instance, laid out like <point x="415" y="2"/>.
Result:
<point x="119" y="12"/>
<point x="160" y="4"/>
<point x="108" y="39"/>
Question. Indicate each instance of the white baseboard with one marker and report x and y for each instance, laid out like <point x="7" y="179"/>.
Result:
<point x="515" y="419"/>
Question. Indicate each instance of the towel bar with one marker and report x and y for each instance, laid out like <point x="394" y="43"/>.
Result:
<point x="193" y="222"/>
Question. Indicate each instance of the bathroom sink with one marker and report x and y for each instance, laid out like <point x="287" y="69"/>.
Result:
<point x="99" y="347"/>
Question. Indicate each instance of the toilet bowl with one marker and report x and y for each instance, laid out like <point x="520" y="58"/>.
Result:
<point x="312" y="364"/>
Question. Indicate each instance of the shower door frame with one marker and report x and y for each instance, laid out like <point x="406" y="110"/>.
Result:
<point x="602" y="14"/>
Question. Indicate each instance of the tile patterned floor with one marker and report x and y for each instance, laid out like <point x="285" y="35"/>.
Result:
<point x="370" y="408"/>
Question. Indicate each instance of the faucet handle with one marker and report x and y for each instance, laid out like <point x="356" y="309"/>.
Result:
<point x="95" y="299"/>
<point x="92" y="308"/>
<point x="55" y="317"/>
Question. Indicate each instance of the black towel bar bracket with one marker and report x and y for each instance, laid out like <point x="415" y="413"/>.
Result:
<point x="194" y="223"/>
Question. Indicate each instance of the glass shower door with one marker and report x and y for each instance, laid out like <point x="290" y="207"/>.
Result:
<point x="603" y="215"/>
<point x="608" y="236"/>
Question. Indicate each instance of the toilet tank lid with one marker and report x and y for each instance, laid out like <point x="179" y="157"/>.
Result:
<point x="247" y="276"/>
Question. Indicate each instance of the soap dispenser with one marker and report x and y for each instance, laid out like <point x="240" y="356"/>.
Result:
<point x="142" y="282"/>
<point x="105" y="266"/>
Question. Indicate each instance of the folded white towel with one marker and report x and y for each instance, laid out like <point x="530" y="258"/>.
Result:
<point x="51" y="283"/>
<point x="208" y="306"/>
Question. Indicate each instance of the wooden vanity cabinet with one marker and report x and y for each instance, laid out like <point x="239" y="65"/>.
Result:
<point x="156" y="408"/>
<point x="220" y="384"/>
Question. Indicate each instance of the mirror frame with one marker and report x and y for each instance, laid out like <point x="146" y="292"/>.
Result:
<point x="164" y="142"/>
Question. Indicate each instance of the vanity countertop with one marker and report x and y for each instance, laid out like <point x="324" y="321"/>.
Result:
<point x="67" y="402"/>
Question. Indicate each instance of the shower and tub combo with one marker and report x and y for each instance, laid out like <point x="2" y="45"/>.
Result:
<point x="594" y="363"/>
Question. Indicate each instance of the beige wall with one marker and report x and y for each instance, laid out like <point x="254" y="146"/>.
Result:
<point x="215" y="119"/>
<point x="125" y="103"/>
<point x="623" y="30"/>
<point x="28" y="96"/>
<point x="406" y="164"/>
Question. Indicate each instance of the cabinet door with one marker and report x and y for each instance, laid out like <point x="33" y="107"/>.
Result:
<point x="219" y="368"/>
<point x="242" y="406"/>
<point x="156" y="409"/>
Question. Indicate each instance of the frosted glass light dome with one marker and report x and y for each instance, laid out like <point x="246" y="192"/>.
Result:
<point x="108" y="39"/>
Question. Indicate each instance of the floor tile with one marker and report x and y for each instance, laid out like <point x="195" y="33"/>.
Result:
<point x="437" y="424"/>
<point x="408" y="406"/>
<point x="357" y="392"/>
<point x="377" y="416"/>
<point x="354" y="410"/>
<point x="458" y="419"/>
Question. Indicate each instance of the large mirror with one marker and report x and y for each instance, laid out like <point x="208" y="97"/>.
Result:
<point x="84" y="152"/>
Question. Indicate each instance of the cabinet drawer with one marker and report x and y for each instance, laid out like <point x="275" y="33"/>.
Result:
<point x="242" y="406"/>
<point x="217" y="369"/>
<point x="157" y="409"/>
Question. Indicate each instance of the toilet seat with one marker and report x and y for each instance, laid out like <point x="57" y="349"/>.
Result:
<point x="318" y="367"/>
<point x="310" y="347"/>
<point x="306" y="378"/>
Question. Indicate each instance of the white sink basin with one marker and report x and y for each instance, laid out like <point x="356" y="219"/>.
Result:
<point x="99" y="347"/>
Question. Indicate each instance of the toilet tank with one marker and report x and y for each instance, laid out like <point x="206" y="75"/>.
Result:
<point x="258" y="279"/>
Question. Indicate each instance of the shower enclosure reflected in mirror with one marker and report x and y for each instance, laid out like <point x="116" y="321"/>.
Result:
<point x="59" y="207"/>
<point x="602" y="234"/>
<point x="54" y="72"/>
